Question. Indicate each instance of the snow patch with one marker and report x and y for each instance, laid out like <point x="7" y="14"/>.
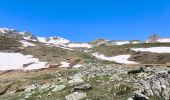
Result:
<point x="164" y="40"/>
<point x="77" y="66"/>
<point x="15" y="61"/>
<point x="153" y="49"/>
<point x="64" y="64"/>
<point x="66" y="48"/>
<point x="123" y="59"/>
<point x="79" y="45"/>
<point x="122" y="42"/>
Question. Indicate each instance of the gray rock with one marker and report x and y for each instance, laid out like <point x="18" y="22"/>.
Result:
<point x="134" y="71"/>
<point x="31" y="88"/>
<point x="139" y="96"/>
<point x="84" y="87"/>
<point x="157" y="85"/>
<point x="76" y="96"/>
<point x="76" y="79"/>
<point x="130" y="99"/>
<point x="58" y="88"/>
<point x="115" y="78"/>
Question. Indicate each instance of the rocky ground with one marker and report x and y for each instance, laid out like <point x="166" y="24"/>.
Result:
<point x="93" y="81"/>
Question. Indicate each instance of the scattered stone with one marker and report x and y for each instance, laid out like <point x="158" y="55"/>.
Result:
<point x="27" y="95"/>
<point x="76" y="79"/>
<point x="157" y="85"/>
<point x="39" y="97"/>
<point x="136" y="71"/>
<point x="44" y="87"/>
<point x="115" y="78"/>
<point x="140" y="96"/>
<point x="148" y="65"/>
<point x="49" y="94"/>
<point x="58" y="88"/>
<point x="130" y="99"/>
<point x="20" y="90"/>
<point x="76" y="96"/>
<point x="84" y="87"/>
<point x="31" y="88"/>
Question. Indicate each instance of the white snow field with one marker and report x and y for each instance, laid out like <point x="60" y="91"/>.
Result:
<point x="79" y="45"/>
<point x="26" y="43"/>
<point x="153" y="49"/>
<point x="122" y="59"/>
<point x="15" y="61"/>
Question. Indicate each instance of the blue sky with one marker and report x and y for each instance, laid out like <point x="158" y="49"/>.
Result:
<point x="86" y="20"/>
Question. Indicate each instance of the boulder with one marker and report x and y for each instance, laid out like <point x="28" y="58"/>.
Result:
<point x="115" y="78"/>
<point x="58" y="88"/>
<point x="84" y="87"/>
<point x="136" y="71"/>
<point x="76" y="96"/>
<point x="139" y="96"/>
<point x="76" y="79"/>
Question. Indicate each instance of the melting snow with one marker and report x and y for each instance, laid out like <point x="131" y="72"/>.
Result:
<point x="153" y="49"/>
<point x="15" y="61"/>
<point x="79" y="45"/>
<point x="123" y="59"/>
<point x="26" y="43"/>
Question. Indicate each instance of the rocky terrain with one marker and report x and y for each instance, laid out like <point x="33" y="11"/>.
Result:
<point x="54" y="68"/>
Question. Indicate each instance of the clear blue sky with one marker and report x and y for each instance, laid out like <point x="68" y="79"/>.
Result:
<point x="86" y="20"/>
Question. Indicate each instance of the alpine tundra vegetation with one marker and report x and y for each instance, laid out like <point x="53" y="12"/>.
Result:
<point x="56" y="69"/>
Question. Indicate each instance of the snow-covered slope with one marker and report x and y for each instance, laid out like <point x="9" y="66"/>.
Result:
<point x="11" y="33"/>
<point x="5" y="30"/>
<point x="53" y="40"/>
<point x="79" y="45"/>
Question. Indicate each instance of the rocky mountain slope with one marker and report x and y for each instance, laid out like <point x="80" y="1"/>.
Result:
<point x="54" y="68"/>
